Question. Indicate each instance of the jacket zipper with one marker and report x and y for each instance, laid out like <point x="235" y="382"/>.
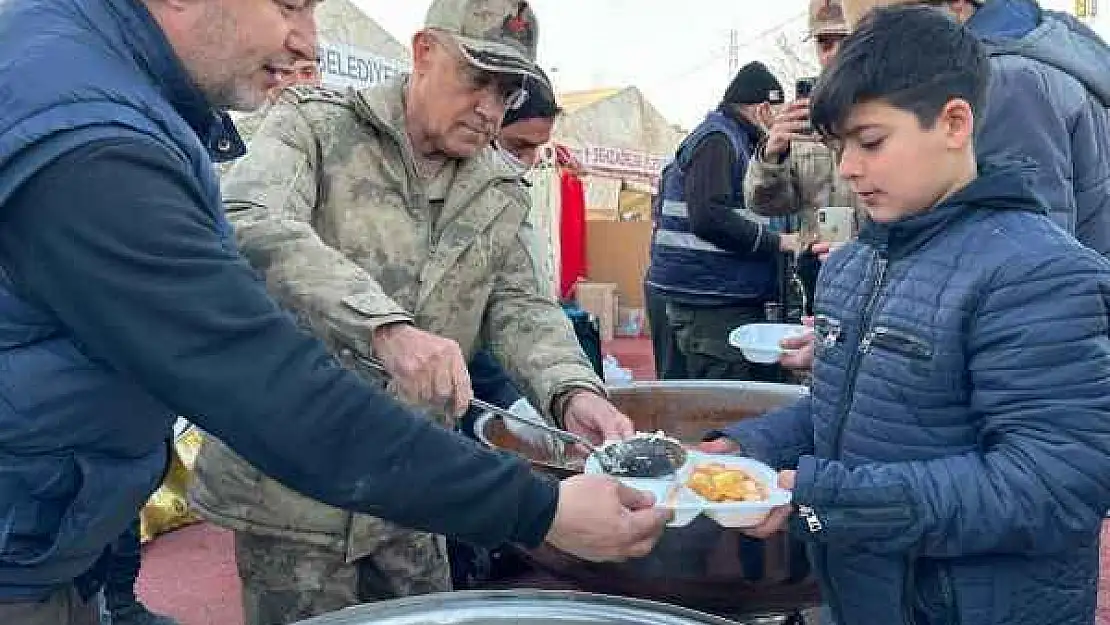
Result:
<point x="856" y="357"/>
<point x="909" y="590"/>
<point x="877" y="285"/>
<point x="949" y="595"/>
<point x="899" y="342"/>
<point x="412" y="196"/>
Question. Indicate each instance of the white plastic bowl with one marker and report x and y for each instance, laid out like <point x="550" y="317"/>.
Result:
<point x="760" y="341"/>
<point x="671" y="492"/>
<point x="739" y="514"/>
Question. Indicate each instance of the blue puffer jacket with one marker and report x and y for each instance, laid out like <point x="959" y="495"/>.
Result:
<point x="1049" y="102"/>
<point x="952" y="458"/>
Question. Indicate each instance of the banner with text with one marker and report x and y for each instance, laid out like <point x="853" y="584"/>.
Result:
<point x="620" y="161"/>
<point x="343" y="66"/>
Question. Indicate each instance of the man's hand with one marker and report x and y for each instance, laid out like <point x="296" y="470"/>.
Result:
<point x="601" y="520"/>
<point x="789" y="243"/>
<point x="776" y="521"/>
<point x="592" y="416"/>
<point x="426" y="369"/>
<point x="790" y="125"/>
<point x="800" y="349"/>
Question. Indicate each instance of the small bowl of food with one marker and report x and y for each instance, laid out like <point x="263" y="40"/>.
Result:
<point x="734" y="491"/>
<point x="650" y="462"/>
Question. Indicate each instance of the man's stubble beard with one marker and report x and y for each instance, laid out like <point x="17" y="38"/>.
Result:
<point x="217" y="77"/>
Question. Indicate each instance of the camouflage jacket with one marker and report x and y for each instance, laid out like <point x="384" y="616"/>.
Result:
<point x="328" y="207"/>
<point x="805" y="181"/>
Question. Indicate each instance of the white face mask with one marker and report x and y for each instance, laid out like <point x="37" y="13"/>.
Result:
<point x="518" y="166"/>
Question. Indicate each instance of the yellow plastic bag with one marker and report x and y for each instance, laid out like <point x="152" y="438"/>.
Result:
<point x="168" y="508"/>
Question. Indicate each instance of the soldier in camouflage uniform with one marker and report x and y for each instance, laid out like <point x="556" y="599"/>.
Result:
<point x="385" y="221"/>
<point x="792" y="172"/>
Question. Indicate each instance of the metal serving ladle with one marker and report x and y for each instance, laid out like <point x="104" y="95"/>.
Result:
<point x="640" y="456"/>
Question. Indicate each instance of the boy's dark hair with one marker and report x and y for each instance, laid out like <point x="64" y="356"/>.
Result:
<point x="915" y="58"/>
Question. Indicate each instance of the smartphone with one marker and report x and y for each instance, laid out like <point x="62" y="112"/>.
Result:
<point x="802" y="90"/>
<point x="836" y="224"/>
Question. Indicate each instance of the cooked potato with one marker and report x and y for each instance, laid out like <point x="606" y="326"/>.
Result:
<point x="719" y="483"/>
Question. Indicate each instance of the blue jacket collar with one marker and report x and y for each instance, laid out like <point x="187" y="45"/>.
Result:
<point x="152" y="52"/>
<point x="1000" y="186"/>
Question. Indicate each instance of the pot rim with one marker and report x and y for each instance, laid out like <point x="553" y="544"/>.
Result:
<point x="475" y="606"/>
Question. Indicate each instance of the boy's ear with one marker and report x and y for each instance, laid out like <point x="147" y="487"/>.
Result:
<point x="958" y="121"/>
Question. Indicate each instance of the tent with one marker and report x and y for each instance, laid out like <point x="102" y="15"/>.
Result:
<point x="622" y="142"/>
<point x="616" y="118"/>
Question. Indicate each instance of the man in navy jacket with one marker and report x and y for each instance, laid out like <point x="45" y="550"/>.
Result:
<point x="123" y="303"/>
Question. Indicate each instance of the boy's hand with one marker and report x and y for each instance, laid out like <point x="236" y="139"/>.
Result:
<point x="776" y="521"/>
<point x="723" y="445"/>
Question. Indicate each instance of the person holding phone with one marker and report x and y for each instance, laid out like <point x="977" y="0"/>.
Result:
<point x="793" y="173"/>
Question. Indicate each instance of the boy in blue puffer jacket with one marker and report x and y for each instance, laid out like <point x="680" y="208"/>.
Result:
<point x="951" y="463"/>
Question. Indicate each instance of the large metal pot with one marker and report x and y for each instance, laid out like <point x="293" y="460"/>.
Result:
<point x="702" y="565"/>
<point x="516" y="607"/>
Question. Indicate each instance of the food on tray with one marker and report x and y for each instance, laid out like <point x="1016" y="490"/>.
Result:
<point x="720" y="483"/>
<point x="646" y="455"/>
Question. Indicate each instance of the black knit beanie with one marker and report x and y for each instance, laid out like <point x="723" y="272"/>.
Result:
<point x="754" y="84"/>
<point x="540" y="103"/>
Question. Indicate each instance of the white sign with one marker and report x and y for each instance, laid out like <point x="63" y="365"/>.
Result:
<point x="343" y="66"/>
<point x="620" y="160"/>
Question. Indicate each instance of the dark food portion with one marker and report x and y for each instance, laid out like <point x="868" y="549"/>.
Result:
<point x="646" y="456"/>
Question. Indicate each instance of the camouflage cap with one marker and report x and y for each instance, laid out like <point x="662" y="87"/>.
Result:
<point x="826" y="17"/>
<point x="499" y="36"/>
